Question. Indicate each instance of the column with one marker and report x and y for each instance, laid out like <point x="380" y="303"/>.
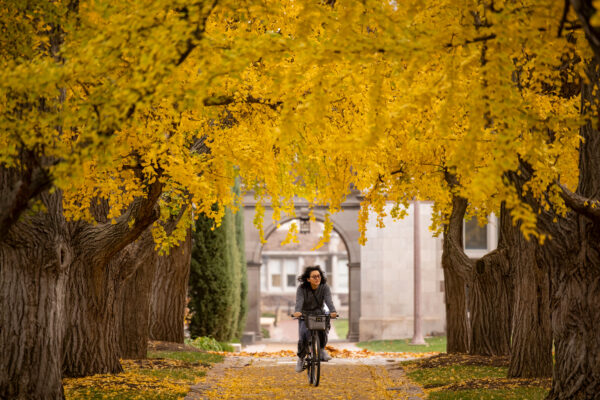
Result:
<point x="354" y="300"/>
<point x="253" y="316"/>
<point x="417" y="338"/>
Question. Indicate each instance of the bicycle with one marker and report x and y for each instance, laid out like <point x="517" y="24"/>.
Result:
<point x="312" y="358"/>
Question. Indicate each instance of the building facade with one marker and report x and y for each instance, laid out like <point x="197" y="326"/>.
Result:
<point x="282" y="264"/>
<point x="387" y="274"/>
<point x="372" y="284"/>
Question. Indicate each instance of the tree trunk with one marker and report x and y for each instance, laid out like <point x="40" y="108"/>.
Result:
<point x="34" y="259"/>
<point x="92" y="337"/>
<point x="93" y="310"/>
<point x="490" y="305"/>
<point x="457" y="268"/>
<point x="575" y="276"/>
<point x="576" y="317"/>
<point x="457" y="327"/>
<point x="134" y="297"/>
<point x="531" y="350"/>
<point x="169" y="293"/>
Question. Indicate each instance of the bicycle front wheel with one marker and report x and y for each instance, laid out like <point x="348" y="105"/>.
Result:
<point x="316" y="359"/>
<point x="309" y="369"/>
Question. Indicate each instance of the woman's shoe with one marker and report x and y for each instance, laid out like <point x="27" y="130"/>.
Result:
<point x="299" y="365"/>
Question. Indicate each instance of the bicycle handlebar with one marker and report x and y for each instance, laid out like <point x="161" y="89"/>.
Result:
<point x="302" y="316"/>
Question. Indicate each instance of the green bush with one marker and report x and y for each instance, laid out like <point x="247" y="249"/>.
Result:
<point x="205" y="343"/>
<point x="265" y="333"/>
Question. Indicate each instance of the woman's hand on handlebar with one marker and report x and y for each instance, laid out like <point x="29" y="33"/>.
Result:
<point x="297" y="314"/>
<point x="333" y="315"/>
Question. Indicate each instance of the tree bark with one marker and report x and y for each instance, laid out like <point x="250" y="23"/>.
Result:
<point x="457" y="267"/>
<point x="92" y="340"/>
<point x="576" y="315"/>
<point x="490" y="305"/>
<point x="139" y="262"/>
<point x="531" y="349"/>
<point x="34" y="259"/>
<point x="169" y="293"/>
<point x="93" y="311"/>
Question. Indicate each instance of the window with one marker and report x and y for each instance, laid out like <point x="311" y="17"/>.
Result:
<point x="275" y="274"/>
<point x="291" y="271"/>
<point x="275" y="280"/>
<point x="475" y="235"/>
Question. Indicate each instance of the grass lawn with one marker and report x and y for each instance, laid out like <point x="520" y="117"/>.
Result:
<point x="453" y="377"/>
<point x="436" y="343"/>
<point x="165" y="375"/>
<point x="341" y="327"/>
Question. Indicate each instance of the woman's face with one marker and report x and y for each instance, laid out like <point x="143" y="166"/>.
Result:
<point x="314" y="278"/>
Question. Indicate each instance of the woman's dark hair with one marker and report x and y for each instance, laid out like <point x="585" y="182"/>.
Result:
<point x="303" y="279"/>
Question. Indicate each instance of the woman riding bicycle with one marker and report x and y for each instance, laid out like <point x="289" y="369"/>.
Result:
<point x="310" y="296"/>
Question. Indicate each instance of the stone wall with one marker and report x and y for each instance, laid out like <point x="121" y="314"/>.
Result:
<point x="387" y="279"/>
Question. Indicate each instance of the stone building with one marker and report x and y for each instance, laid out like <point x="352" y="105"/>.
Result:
<point x="373" y="284"/>
<point x="387" y="279"/>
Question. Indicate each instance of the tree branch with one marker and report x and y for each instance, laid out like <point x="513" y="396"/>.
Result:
<point x="198" y="32"/>
<point x="474" y="40"/>
<point x="224" y="100"/>
<point x="108" y="239"/>
<point x="33" y="180"/>
<point x="584" y="11"/>
<point x="582" y="205"/>
<point x="453" y="231"/>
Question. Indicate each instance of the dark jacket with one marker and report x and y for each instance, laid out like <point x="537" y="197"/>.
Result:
<point x="308" y="303"/>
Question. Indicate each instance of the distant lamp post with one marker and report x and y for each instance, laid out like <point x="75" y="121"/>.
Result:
<point x="304" y="224"/>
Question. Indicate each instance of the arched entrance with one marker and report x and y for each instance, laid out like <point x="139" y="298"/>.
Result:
<point x="344" y="223"/>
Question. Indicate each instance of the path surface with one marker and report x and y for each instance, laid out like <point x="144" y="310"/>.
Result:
<point x="273" y="377"/>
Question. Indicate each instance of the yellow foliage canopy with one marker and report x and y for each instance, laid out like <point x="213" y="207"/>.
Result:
<point x="298" y="98"/>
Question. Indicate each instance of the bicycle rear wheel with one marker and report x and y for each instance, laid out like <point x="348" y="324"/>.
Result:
<point x="316" y="359"/>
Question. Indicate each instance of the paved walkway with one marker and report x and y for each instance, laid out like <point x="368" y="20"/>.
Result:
<point x="274" y="378"/>
<point x="268" y="372"/>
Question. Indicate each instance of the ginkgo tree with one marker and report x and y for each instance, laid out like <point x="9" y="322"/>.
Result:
<point x="478" y="89"/>
<point x="106" y="128"/>
<point x="116" y="115"/>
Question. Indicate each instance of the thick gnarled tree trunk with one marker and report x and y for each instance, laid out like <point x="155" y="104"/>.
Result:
<point x="34" y="259"/>
<point x="93" y="310"/>
<point x="91" y="340"/>
<point x="576" y="318"/>
<point x="169" y="293"/>
<point x="531" y="349"/>
<point x="137" y="263"/>
<point x="490" y="305"/>
<point x="575" y="276"/>
<point x="457" y="269"/>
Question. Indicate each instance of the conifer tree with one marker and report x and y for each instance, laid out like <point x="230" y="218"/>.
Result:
<point x="240" y="242"/>
<point x="214" y="300"/>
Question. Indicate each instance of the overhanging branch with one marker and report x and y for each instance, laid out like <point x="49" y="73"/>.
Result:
<point x="31" y="182"/>
<point x="582" y="205"/>
<point x="224" y="100"/>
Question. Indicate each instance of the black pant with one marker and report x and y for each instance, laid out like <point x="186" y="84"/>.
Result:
<point x="304" y="337"/>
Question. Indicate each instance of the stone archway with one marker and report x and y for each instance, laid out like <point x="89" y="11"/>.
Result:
<point x="344" y="222"/>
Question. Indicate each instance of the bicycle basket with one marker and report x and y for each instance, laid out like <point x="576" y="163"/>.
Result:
<point x="316" y="322"/>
